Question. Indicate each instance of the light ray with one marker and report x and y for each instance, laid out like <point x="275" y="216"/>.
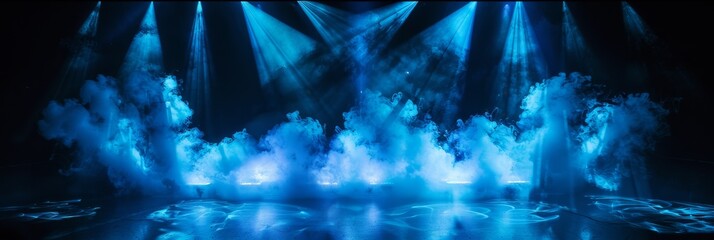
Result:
<point x="198" y="79"/>
<point x="430" y="66"/>
<point x="276" y="46"/>
<point x="576" y="51"/>
<point x="145" y="52"/>
<point x="83" y="54"/>
<point x="637" y="30"/>
<point x="521" y="63"/>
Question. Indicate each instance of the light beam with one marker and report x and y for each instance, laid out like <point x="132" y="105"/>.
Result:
<point x="198" y="81"/>
<point x="83" y="54"/>
<point x="637" y="31"/>
<point x="332" y="24"/>
<point x="145" y="52"/>
<point x="521" y="63"/>
<point x="376" y="28"/>
<point x="363" y="35"/>
<point x="575" y="50"/>
<point x="276" y="46"/>
<point x="430" y="66"/>
<point x="284" y="58"/>
<point x="89" y="28"/>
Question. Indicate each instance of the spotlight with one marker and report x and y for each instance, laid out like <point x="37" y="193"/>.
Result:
<point x="145" y="50"/>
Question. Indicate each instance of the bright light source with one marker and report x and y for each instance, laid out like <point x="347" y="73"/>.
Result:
<point x="328" y="183"/>
<point x="249" y="183"/>
<point x="457" y="182"/>
<point x="197" y="180"/>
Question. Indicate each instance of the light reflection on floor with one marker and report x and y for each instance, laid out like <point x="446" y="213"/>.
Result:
<point x="658" y="215"/>
<point x="607" y="218"/>
<point x="350" y="221"/>
<point x="48" y="211"/>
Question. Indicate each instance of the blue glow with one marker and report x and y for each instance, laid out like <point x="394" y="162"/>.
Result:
<point x="503" y="26"/>
<point x="658" y="215"/>
<point x="357" y="31"/>
<point x="333" y="24"/>
<point x="454" y="31"/>
<point x="83" y="55"/>
<point x="430" y="66"/>
<point x="217" y="219"/>
<point x="142" y="149"/>
<point x="376" y="28"/>
<point x="276" y="46"/>
<point x="614" y="135"/>
<point x="573" y="42"/>
<point x="49" y="211"/>
<point x="638" y="32"/>
<point x="145" y="53"/>
<point x="391" y="142"/>
<point x="285" y="59"/>
<point x="362" y="35"/>
<point x="177" y="111"/>
<point x="89" y="27"/>
<point x="521" y="63"/>
<point x="198" y="79"/>
<point x="609" y="140"/>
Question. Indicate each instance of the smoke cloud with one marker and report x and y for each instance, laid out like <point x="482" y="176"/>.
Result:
<point x="139" y="131"/>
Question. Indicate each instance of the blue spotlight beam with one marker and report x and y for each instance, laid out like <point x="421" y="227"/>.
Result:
<point x="453" y="32"/>
<point x="450" y="35"/>
<point x="521" y="63"/>
<point x="145" y="52"/>
<point x="275" y="45"/>
<point x="89" y="28"/>
<point x="76" y="69"/>
<point x="362" y="33"/>
<point x="277" y="48"/>
<point x="377" y="27"/>
<point x="375" y="30"/>
<point x="198" y="74"/>
<point x="637" y="29"/>
<point x="331" y="23"/>
<point x="503" y="25"/>
<point x="576" y="50"/>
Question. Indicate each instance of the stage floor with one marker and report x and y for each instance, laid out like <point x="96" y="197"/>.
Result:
<point x="601" y="217"/>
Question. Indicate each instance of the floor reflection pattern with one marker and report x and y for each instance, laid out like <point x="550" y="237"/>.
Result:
<point x="263" y="219"/>
<point x="47" y="211"/>
<point x="658" y="215"/>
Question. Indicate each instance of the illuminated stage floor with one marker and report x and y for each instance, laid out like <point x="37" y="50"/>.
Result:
<point x="601" y="218"/>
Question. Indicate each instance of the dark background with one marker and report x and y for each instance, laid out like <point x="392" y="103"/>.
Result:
<point x="36" y="33"/>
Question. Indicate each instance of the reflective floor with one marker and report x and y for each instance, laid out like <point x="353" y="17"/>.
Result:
<point x="604" y="217"/>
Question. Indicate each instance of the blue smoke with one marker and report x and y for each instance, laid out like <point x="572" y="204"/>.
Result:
<point x="607" y="136"/>
<point x="615" y="136"/>
<point x="139" y="133"/>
